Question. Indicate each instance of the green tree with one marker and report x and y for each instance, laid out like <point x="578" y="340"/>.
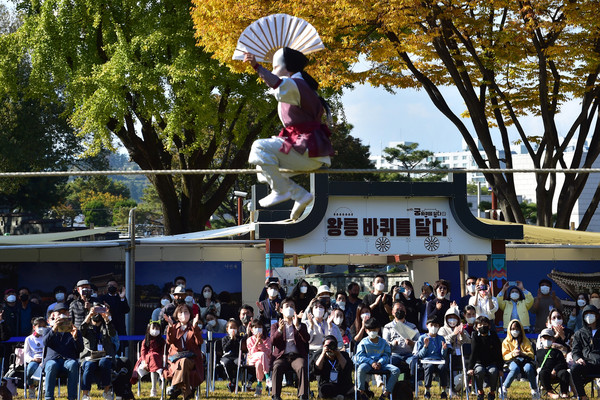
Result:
<point x="508" y="60"/>
<point x="407" y="157"/>
<point x="350" y="153"/>
<point x="131" y="70"/>
<point x="120" y="212"/>
<point x="97" y="212"/>
<point x="472" y="189"/>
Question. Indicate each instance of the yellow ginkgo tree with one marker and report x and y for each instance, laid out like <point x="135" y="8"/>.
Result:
<point x="507" y="59"/>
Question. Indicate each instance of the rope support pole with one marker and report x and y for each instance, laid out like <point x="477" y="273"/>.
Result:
<point x="38" y="174"/>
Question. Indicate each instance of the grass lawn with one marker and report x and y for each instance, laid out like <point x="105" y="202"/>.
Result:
<point x="518" y="391"/>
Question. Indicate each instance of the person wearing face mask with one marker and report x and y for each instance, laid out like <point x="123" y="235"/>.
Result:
<point x="214" y="324"/>
<point x="595" y="299"/>
<point x="209" y="302"/>
<point x="576" y="318"/>
<point x="334" y="371"/>
<point x="470" y="316"/>
<point x="353" y="301"/>
<point x="471" y="290"/>
<point x="259" y="354"/>
<point x="319" y="325"/>
<point x="427" y="295"/>
<point x="357" y="330"/>
<point x="10" y="310"/>
<point x="373" y="354"/>
<point x="281" y="290"/>
<point x="186" y="362"/>
<point x="232" y="343"/>
<point x="165" y="300"/>
<point x="518" y="354"/>
<point x="98" y="332"/>
<point x="119" y="307"/>
<point x="562" y="334"/>
<point x="412" y="304"/>
<point x="341" y="300"/>
<point x="289" y="338"/>
<point x="339" y="318"/>
<point x="33" y="350"/>
<point x="552" y="365"/>
<point x="515" y="301"/>
<point x="60" y="295"/>
<point x="268" y="308"/>
<point x="402" y="336"/>
<point x="586" y="351"/>
<point x="432" y="346"/>
<point x="150" y="359"/>
<point x="454" y="334"/>
<point x="304" y="143"/>
<point x="437" y="307"/>
<point x="303" y="293"/>
<point x="379" y="301"/>
<point x="27" y="312"/>
<point x="190" y="300"/>
<point x="485" y="360"/>
<point x="545" y="301"/>
<point x="324" y="297"/>
<point x="245" y="317"/>
<point x="485" y="304"/>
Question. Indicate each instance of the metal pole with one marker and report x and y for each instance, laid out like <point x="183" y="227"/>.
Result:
<point x="478" y="199"/>
<point x="130" y="278"/>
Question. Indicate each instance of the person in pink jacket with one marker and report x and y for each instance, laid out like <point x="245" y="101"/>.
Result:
<point x="259" y="353"/>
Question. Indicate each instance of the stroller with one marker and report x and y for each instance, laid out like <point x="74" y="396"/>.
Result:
<point x="15" y="375"/>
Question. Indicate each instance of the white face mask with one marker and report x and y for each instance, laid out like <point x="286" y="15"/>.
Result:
<point x="231" y="331"/>
<point x="272" y="292"/>
<point x="452" y="322"/>
<point x="365" y="316"/>
<point x="581" y="302"/>
<point x="397" y="296"/>
<point x="165" y="302"/>
<point x="372" y="334"/>
<point x="319" y="312"/>
<point x="257" y="331"/>
<point x="589" y="318"/>
<point x="380" y="287"/>
<point x="441" y="297"/>
<point x="211" y="323"/>
<point x="515" y="296"/>
<point x="515" y="333"/>
<point x="338" y="320"/>
<point x="189" y="300"/>
<point x="303" y="289"/>
<point x="40" y="330"/>
<point x="595" y="302"/>
<point x="59" y="296"/>
<point x="433" y="330"/>
<point x="11" y="299"/>
<point x="408" y="292"/>
<point x="288" y="312"/>
<point x="341" y="305"/>
<point x="557" y="322"/>
<point x="471" y="288"/>
<point x="207" y="294"/>
<point x="154" y="332"/>
<point x="545" y="289"/>
<point x="471" y="320"/>
<point x="547" y="342"/>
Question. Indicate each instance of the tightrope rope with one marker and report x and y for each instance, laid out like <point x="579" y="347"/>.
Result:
<point x="287" y="171"/>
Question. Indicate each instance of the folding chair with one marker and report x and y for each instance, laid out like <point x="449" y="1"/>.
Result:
<point x="42" y="377"/>
<point x="424" y="361"/>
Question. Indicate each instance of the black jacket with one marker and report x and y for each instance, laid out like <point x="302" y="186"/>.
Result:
<point x="231" y="346"/>
<point x="485" y="350"/>
<point x="585" y="346"/>
<point x="90" y="335"/>
<point x="118" y="309"/>
<point x="554" y="361"/>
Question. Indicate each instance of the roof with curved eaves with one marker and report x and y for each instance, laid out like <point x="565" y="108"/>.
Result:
<point x="533" y="234"/>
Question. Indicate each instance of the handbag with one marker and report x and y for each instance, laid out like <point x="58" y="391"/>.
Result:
<point x="181" y="354"/>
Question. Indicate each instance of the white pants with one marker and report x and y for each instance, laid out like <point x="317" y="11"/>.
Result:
<point x="268" y="159"/>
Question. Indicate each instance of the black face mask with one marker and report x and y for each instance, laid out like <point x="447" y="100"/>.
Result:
<point x="325" y="302"/>
<point x="24" y="297"/>
<point x="180" y="301"/>
<point x="400" y="314"/>
<point x="112" y="289"/>
<point x="353" y="295"/>
<point x="246" y="319"/>
<point x="484" y="330"/>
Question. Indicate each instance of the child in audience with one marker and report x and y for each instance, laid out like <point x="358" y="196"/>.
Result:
<point x="151" y="356"/>
<point x="34" y="348"/>
<point x="259" y="354"/>
<point x="432" y="346"/>
<point x="232" y="344"/>
<point x="551" y="363"/>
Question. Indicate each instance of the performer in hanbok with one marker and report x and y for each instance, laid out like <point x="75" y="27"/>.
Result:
<point x="303" y="144"/>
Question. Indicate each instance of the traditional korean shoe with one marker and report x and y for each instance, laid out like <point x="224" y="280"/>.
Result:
<point x="300" y="205"/>
<point x="274" y="198"/>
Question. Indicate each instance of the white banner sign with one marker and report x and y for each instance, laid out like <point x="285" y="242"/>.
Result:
<point x="388" y="225"/>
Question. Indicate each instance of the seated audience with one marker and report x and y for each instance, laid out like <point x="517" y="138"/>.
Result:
<point x="485" y="361"/>
<point x="401" y="346"/>
<point x="259" y="354"/>
<point x="552" y="364"/>
<point x="518" y="354"/>
<point x="150" y="361"/>
<point x="209" y="302"/>
<point x="576" y="318"/>
<point x="334" y="371"/>
<point x="232" y="345"/>
<point x="33" y="351"/>
<point x="432" y="346"/>
<point x="586" y="351"/>
<point x="436" y="308"/>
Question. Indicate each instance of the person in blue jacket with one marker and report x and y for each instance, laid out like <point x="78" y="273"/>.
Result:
<point x="63" y="344"/>
<point x="373" y="354"/>
<point x="432" y="346"/>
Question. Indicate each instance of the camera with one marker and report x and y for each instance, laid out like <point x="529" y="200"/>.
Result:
<point x="64" y="325"/>
<point x="86" y="293"/>
<point x="482" y="287"/>
<point x="100" y="309"/>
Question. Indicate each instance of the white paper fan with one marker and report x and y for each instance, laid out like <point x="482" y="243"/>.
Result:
<point x="265" y="36"/>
